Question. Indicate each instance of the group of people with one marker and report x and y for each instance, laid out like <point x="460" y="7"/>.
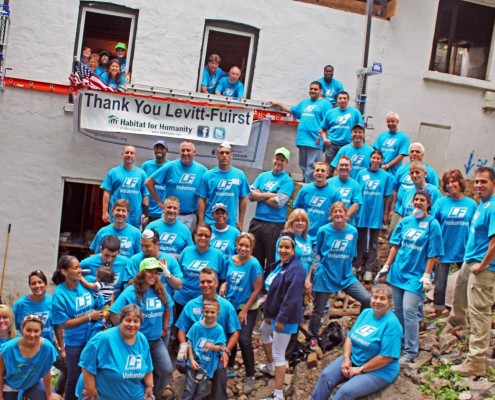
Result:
<point x="217" y="81"/>
<point x="111" y="69"/>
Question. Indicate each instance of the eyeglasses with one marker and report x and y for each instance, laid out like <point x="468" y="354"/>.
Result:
<point x="32" y="317"/>
<point x="203" y="235"/>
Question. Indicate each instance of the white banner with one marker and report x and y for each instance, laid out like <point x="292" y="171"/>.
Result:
<point x="115" y="112"/>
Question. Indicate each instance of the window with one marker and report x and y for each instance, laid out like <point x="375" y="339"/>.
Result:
<point x="102" y="26"/>
<point x="463" y="38"/>
<point x="381" y="8"/>
<point x="236" y="44"/>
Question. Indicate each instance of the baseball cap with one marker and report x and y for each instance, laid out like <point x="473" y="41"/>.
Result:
<point x="104" y="53"/>
<point x="425" y="192"/>
<point x="150" y="263"/>
<point x="283" y="151"/>
<point x="120" y="45"/>
<point x="219" y="206"/>
<point x="162" y="142"/>
<point x="225" y="144"/>
<point x="358" y="126"/>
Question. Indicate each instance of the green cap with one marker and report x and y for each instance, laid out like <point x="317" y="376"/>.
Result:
<point x="150" y="263"/>
<point x="120" y="45"/>
<point x="284" y="152"/>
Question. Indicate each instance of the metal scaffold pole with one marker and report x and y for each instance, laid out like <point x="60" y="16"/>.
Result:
<point x="4" y="34"/>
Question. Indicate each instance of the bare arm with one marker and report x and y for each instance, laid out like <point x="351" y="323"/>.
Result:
<point x="114" y="318"/>
<point x="352" y="210"/>
<point x="283" y="107"/>
<point x="233" y="338"/>
<point x="150" y="184"/>
<point x="201" y="210"/>
<point x="257" y="286"/>
<point x="105" y="216"/>
<point x="386" y="214"/>
<point x="181" y="335"/>
<point x="392" y="254"/>
<point x="88" y="285"/>
<point x="204" y="89"/>
<point x="90" y="391"/>
<point x="176" y="283"/>
<point x="393" y="200"/>
<point x="258" y="195"/>
<point x="94" y="315"/>
<point x="394" y="162"/>
<point x="59" y="335"/>
<point x="242" y="212"/>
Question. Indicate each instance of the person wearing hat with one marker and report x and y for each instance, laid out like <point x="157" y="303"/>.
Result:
<point x="271" y="191"/>
<point x="147" y="291"/>
<point x="160" y="148"/>
<point x="358" y="151"/>
<point x="121" y="55"/>
<point x="310" y="113"/>
<point x="394" y="144"/>
<point x="212" y="73"/>
<point x="336" y="127"/>
<point x="223" y="235"/>
<point x="416" y="244"/>
<point x="223" y="184"/>
<point x="104" y="61"/>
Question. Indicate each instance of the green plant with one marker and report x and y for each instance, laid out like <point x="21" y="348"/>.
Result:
<point x="452" y="385"/>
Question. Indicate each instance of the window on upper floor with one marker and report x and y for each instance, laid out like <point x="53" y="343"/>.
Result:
<point x="463" y="41"/>
<point x="236" y="44"/>
<point x="103" y="27"/>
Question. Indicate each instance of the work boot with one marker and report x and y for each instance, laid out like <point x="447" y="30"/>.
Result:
<point x="469" y="368"/>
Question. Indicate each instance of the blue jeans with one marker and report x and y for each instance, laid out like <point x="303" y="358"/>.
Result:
<point x="356" y="387"/>
<point x="219" y="383"/>
<point x="35" y="392"/>
<point x="246" y="343"/>
<point x="356" y="290"/>
<point x="307" y="158"/>
<point x="72" y="355"/>
<point x="192" y="389"/>
<point x="162" y="366"/>
<point x="441" y="277"/>
<point x="406" y="305"/>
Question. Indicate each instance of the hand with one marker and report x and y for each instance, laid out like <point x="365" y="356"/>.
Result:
<point x="327" y="142"/>
<point x="225" y="359"/>
<point x="381" y="273"/>
<point x="148" y="393"/>
<point x="476" y="268"/>
<point x="90" y="393"/>
<point x="194" y="365"/>
<point x="242" y="316"/>
<point x="105" y="216"/>
<point x="239" y="226"/>
<point x="386" y="219"/>
<point x="353" y="372"/>
<point x="426" y="281"/>
<point x="164" y="331"/>
<point x="346" y="366"/>
<point x="223" y="289"/>
<point x="166" y="271"/>
<point x="144" y="220"/>
<point x="279" y="327"/>
<point x="63" y="354"/>
<point x="182" y="354"/>
<point x="390" y="215"/>
<point x="54" y="396"/>
<point x="385" y="167"/>
<point x="308" y="286"/>
<point x="96" y="315"/>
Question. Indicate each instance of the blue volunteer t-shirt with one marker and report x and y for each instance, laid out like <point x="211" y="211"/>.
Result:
<point x="304" y="251"/>
<point x="240" y="280"/>
<point x="482" y="230"/>
<point x="224" y="240"/>
<point x="23" y="373"/>
<point x="418" y="240"/>
<point x="454" y="216"/>
<point x="225" y="187"/>
<point x="375" y="186"/>
<point x="130" y="239"/>
<point x="350" y="192"/>
<point x="391" y="145"/>
<point x="193" y="312"/>
<point x="310" y="114"/>
<point x="25" y="306"/>
<point x="331" y="90"/>
<point x="339" y="124"/>
<point x="128" y="185"/>
<point x="119" y="375"/>
<point x="211" y="80"/>
<point x="337" y="250"/>
<point x="407" y="206"/>
<point x="72" y="303"/>
<point x="272" y="275"/>
<point x="371" y="337"/>
<point x="230" y="89"/>
<point x="317" y="202"/>
<point x="150" y="167"/>
<point x="94" y="262"/>
<point x="192" y="262"/>
<point x="360" y="158"/>
<point x="152" y="307"/>
<point x="180" y="180"/>
<point x="268" y="182"/>
<point x="173" y="237"/>
<point x="198" y="336"/>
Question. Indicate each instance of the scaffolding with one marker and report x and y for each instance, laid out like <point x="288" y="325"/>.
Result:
<point x="4" y="34"/>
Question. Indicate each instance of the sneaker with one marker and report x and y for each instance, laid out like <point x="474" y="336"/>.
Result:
<point x="266" y="370"/>
<point x="368" y="276"/>
<point x="248" y="386"/>
<point x="231" y="373"/>
<point x="272" y="397"/>
<point x="468" y="368"/>
<point x="313" y="344"/>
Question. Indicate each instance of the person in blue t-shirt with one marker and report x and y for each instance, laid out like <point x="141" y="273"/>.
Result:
<point x="223" y="236"/>
<point x="376" y="189"/>
<point x="72" y="310"/>
<point x="454" y="212"/>
<point x="310" y="113"/>
<point x="476" y="280"/>
<point x="330" y="87"/>
<point x="126" y="181"/>
<point x="174" y="235"/>
<point x="394" y="144"/>
<point x="223" y="184"/>
<point x="116" y="363"/>
<point x="230" y="85"/>
<point x="242" y="287"/>
<point x="336" y="245"/>
<point x="271" y="191"/>
<point x="7" y="324"/>
<point x="160" y="149"/>
<point x="371" y="353"/>
<point x="336" y="127"/>
<point x="129" y="235"/>
<point x="416" y="244"/>
<point x="206" y="340"/>
<point x="212" y="73"/>
<point x="25" y="363"/>
<point x="114" y="77"/>
<point x="121" y="56"/>
<point x="148" y="292"/>
<point x="358" y="151"/>
<point x="180" y="179"/>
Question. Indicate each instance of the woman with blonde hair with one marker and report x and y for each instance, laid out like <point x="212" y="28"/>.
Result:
<point x="7" y="324"/>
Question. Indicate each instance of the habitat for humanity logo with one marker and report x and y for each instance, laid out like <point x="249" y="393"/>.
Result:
<point x="113" y="119"/>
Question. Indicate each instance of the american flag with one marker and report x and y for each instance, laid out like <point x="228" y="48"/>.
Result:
<point x="83" y="77"/>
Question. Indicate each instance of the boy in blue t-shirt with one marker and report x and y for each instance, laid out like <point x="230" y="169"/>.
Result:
<point x="206" y="340"/>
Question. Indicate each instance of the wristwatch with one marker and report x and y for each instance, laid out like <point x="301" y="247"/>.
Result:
<point x="361" y="369"/>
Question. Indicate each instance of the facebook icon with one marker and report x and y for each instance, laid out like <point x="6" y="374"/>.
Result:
<point x="203" y="131"/>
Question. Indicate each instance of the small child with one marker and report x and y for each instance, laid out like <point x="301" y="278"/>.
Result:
<point x="206" y="339"/>
<point x="104" y="285"/>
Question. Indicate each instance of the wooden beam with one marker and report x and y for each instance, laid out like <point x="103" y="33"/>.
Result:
<point x="358" y="6"/>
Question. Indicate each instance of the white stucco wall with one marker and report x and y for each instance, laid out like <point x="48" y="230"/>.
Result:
<point x="296" y="40"/>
